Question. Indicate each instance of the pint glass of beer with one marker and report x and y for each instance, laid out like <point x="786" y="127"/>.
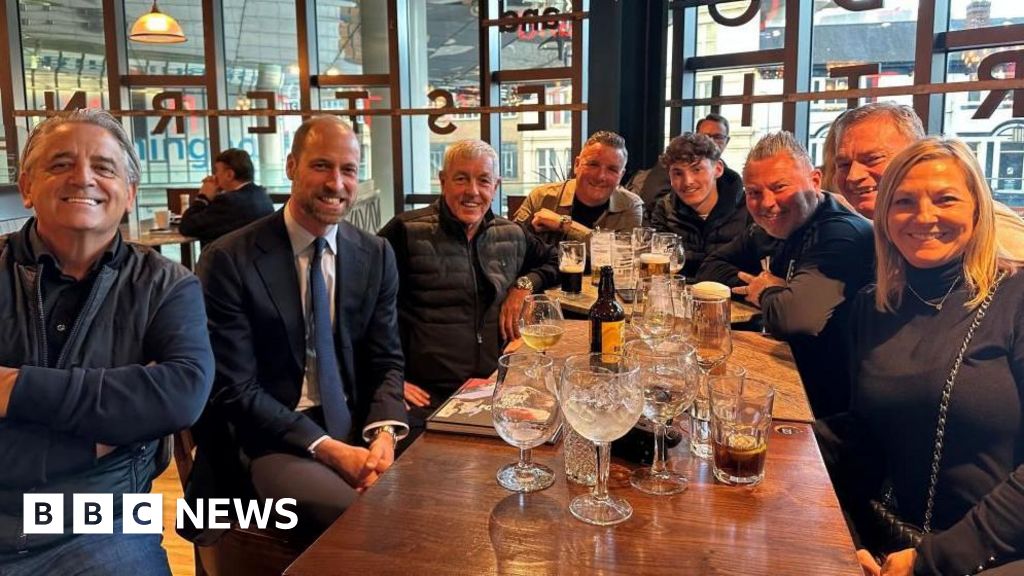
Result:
<point x="572" y="258"/>
<point x="653" y="264"/>
<point x="741" y="418"/>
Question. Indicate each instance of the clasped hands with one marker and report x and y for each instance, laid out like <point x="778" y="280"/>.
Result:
<point x="756" y="285"/>
<point x="359" y="467"/>
<point x="896" y="564"/>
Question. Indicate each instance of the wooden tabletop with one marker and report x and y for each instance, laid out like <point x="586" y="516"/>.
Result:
<point x="764" y="358"/>
<point x="739" y="311"/>
<point x="439" y="510"/>
<point x="147" y="236"/>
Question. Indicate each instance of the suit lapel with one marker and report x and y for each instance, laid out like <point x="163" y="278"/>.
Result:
<point x="276" y="267"/>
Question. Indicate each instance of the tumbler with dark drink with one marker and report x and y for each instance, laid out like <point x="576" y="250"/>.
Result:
<point x="741" y="419"/>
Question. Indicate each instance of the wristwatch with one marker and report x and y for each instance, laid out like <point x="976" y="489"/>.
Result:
<point x="390" y="430"/>
<point x="564" y="221"/>
<point x="524" y="283"/>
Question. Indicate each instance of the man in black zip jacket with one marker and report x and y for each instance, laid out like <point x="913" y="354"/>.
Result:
<point x="103" y="351"/>
<point x="821" y="254"/>
<point x="463" y="276"/>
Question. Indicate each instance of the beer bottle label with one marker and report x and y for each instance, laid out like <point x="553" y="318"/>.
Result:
<point x="612" y="336"/>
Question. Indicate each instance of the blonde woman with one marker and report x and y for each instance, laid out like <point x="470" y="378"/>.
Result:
<point x="942" y="288"/>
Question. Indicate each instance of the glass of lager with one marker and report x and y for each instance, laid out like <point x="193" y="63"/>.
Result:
<point x="572" y="258"/>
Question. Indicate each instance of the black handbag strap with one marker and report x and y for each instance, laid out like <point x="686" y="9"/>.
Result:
<point x="947" y="392"/>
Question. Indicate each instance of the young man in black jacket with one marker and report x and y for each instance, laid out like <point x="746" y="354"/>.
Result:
<point x="702" y="210"/>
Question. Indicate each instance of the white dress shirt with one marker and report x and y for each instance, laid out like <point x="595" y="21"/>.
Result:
<point x="302" y="250"/>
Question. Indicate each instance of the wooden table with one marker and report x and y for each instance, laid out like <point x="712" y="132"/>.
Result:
<point x="147" y="237"/>
<point x="739" y="311"/>
<point x="763" y="357"/>
<point x="439" y="510"/>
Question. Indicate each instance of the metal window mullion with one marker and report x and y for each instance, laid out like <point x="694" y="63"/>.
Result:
<point x="797" y="66"/>
<point x="684" y="80"/>
<point x="930" y="62"/>
<point x="215" y="73"/>
<point x="12" y="84"/>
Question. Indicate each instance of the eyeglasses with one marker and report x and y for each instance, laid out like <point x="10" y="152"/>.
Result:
<point x="719" y="137"/>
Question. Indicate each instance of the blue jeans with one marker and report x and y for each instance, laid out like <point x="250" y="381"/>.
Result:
<point x="94" y="555"/>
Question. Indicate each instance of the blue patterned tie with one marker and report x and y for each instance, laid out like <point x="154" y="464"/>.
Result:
<point x="332" y="394"/>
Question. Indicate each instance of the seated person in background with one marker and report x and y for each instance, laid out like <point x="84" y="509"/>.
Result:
<point x="570" y="210"/>
<point x="942" y="280"/>
<point x="653" y="185"/>
<point x="464" y="275"/>
<point x="821" y="255"/>
<point x="227" y="200"/>
<point x="316" y="411"/>
<point x="867" y="138"/>
<point x="704" y="217"/>
<point x="103" y="350"/>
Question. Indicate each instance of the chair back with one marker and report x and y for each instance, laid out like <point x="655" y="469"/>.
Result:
<point x="513" y="203"/>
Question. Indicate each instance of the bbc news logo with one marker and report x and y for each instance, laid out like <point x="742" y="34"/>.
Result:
<point x="144" y="513"/>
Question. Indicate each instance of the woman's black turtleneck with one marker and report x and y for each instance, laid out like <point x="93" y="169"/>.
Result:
<point x="933" y="284"/>
<point x="901" y="361"/>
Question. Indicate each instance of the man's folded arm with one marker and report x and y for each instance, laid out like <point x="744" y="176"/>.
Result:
<point x="131" y="403"/>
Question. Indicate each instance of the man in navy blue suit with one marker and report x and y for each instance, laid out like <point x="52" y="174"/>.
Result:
<point x="316" y="413"/>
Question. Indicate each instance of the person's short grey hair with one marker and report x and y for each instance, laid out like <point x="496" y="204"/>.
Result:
<point x="902" y="117"/>
<point x="775" y="143"/>
<point x="96" y="117"/>
<point x="470" y="148"/>
<point x="609" y="139"/>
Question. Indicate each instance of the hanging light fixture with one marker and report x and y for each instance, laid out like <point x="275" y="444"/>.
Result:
<point x="155" y="27"/>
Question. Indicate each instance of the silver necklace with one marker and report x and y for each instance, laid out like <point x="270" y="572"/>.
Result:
<point x="932" y="304"/>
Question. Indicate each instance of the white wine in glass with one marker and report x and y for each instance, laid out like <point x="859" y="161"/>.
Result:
<point x="540" y="322"/>
<point x="541" y="337"/>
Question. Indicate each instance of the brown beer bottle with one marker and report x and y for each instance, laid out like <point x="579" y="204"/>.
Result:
<point x="607" y="318"/>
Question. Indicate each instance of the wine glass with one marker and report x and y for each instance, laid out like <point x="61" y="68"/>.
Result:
<point x="602" y="400"/>
<point x="525" y="414"/>
<point x="669" y="378"/>
<point x="711" y="336"/>
<point x="653" y="314"/>
<point x="540" y="322"/>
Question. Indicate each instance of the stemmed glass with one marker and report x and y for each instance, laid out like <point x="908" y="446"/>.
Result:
<point x="601" y="399"/>
<point x="540" y="322"/>
<point x="669" y="378"/>
<point x="711" y="336"/>
<point x="525" y="413"/>
<point x="653" y="314"/>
